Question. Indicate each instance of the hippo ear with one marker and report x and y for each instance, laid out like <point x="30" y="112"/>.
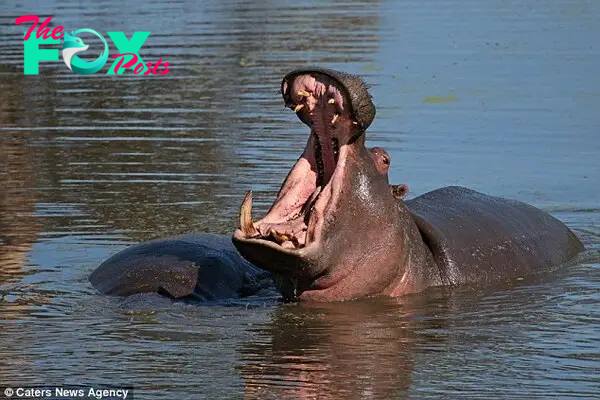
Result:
<point x="399" y="191"/>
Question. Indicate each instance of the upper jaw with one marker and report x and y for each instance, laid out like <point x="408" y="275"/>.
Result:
<point x="313" y="185"/>
<point x="355" y="92"/>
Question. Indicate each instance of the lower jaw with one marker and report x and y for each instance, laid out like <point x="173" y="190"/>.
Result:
<point x="295" y="270"/>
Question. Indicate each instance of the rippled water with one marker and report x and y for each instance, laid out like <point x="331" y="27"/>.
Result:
<point x="502" y="97"/>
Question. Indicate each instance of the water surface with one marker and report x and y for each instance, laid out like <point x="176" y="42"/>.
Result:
<point x="498" y="96"/>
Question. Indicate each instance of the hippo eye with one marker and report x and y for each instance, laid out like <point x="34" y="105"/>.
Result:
<point x="386" y="161"/>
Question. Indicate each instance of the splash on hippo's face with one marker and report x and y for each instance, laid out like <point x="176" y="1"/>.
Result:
<point x="330" y="232"/>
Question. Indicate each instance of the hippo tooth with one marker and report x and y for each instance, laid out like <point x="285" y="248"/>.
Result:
<point x="279" y="237"/>
<point x="298" y="107"/>
<point x="303" y="93"/>
<point x="246" y="224"/>
<point x="335" y="117"/>
<point x="331" y="101"/>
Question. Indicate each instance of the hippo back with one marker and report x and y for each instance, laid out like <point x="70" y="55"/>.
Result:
<point x="203" y="266"/>
<point x="479" y="238"/>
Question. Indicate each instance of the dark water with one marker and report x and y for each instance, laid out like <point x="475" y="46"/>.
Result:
<point x="499" y="96"/>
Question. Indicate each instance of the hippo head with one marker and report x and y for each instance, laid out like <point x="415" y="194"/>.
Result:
<point x="336" y="230"/>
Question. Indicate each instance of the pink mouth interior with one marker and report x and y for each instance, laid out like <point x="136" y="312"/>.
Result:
<point x="293" y="218"/>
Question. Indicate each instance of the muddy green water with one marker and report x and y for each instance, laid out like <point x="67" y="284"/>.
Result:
<point x="499" y="96"/>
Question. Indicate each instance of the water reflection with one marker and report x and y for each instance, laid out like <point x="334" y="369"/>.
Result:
<point x="18" y="227"/>
<point x="361" y="349"/>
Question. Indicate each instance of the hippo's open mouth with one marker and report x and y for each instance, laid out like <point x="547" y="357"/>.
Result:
<point x="296" y="218"/>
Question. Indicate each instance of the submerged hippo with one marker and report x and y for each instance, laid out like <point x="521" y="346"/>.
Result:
<point x="337" y="230"/>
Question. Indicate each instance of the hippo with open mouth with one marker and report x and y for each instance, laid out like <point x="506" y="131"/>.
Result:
<point x="337" y="229"/>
